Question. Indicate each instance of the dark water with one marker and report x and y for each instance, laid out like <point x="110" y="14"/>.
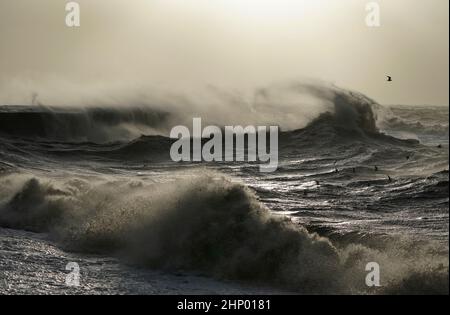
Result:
<point x="360" y="183"/>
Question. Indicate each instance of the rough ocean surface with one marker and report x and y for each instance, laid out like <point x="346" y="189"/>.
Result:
<point x="360" y="183"/>
<point x="31" y="264"/>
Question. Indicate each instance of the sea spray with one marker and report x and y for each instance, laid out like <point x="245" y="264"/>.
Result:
<point x="205" y="223"/>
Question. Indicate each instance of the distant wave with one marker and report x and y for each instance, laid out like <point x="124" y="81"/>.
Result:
<point x="81" y="124"/>
<point x="397" y="123"/>
<point x="206" y="223"/>
<point x="428" y="124"/>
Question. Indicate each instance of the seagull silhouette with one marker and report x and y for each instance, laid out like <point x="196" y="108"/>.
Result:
<point x="389" y="78"/>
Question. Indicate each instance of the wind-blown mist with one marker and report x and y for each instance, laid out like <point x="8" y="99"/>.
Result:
<point x="121" y="117"/>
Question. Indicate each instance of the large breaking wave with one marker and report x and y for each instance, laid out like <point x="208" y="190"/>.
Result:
<point x="207" y="224"/>
<point x="290" y="107"/>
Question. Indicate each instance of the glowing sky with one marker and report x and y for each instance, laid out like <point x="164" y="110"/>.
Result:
<point x="229" y="43"/>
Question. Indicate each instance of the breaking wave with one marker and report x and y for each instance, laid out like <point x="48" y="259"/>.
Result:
<point x="205" y="223"/>
<point x="291" y="107"/>
<point x="79" y="125"/>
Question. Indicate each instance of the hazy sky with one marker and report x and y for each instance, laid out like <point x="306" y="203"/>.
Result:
<point x="173" y="44"/>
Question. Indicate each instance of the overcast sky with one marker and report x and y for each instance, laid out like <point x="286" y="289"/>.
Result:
<point x="238" y="44"/>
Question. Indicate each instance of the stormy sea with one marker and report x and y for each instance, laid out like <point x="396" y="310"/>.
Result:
<point x="357" y="183"/>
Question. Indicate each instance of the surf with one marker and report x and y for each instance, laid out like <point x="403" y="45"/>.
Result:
<point x="204" y="223"/>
